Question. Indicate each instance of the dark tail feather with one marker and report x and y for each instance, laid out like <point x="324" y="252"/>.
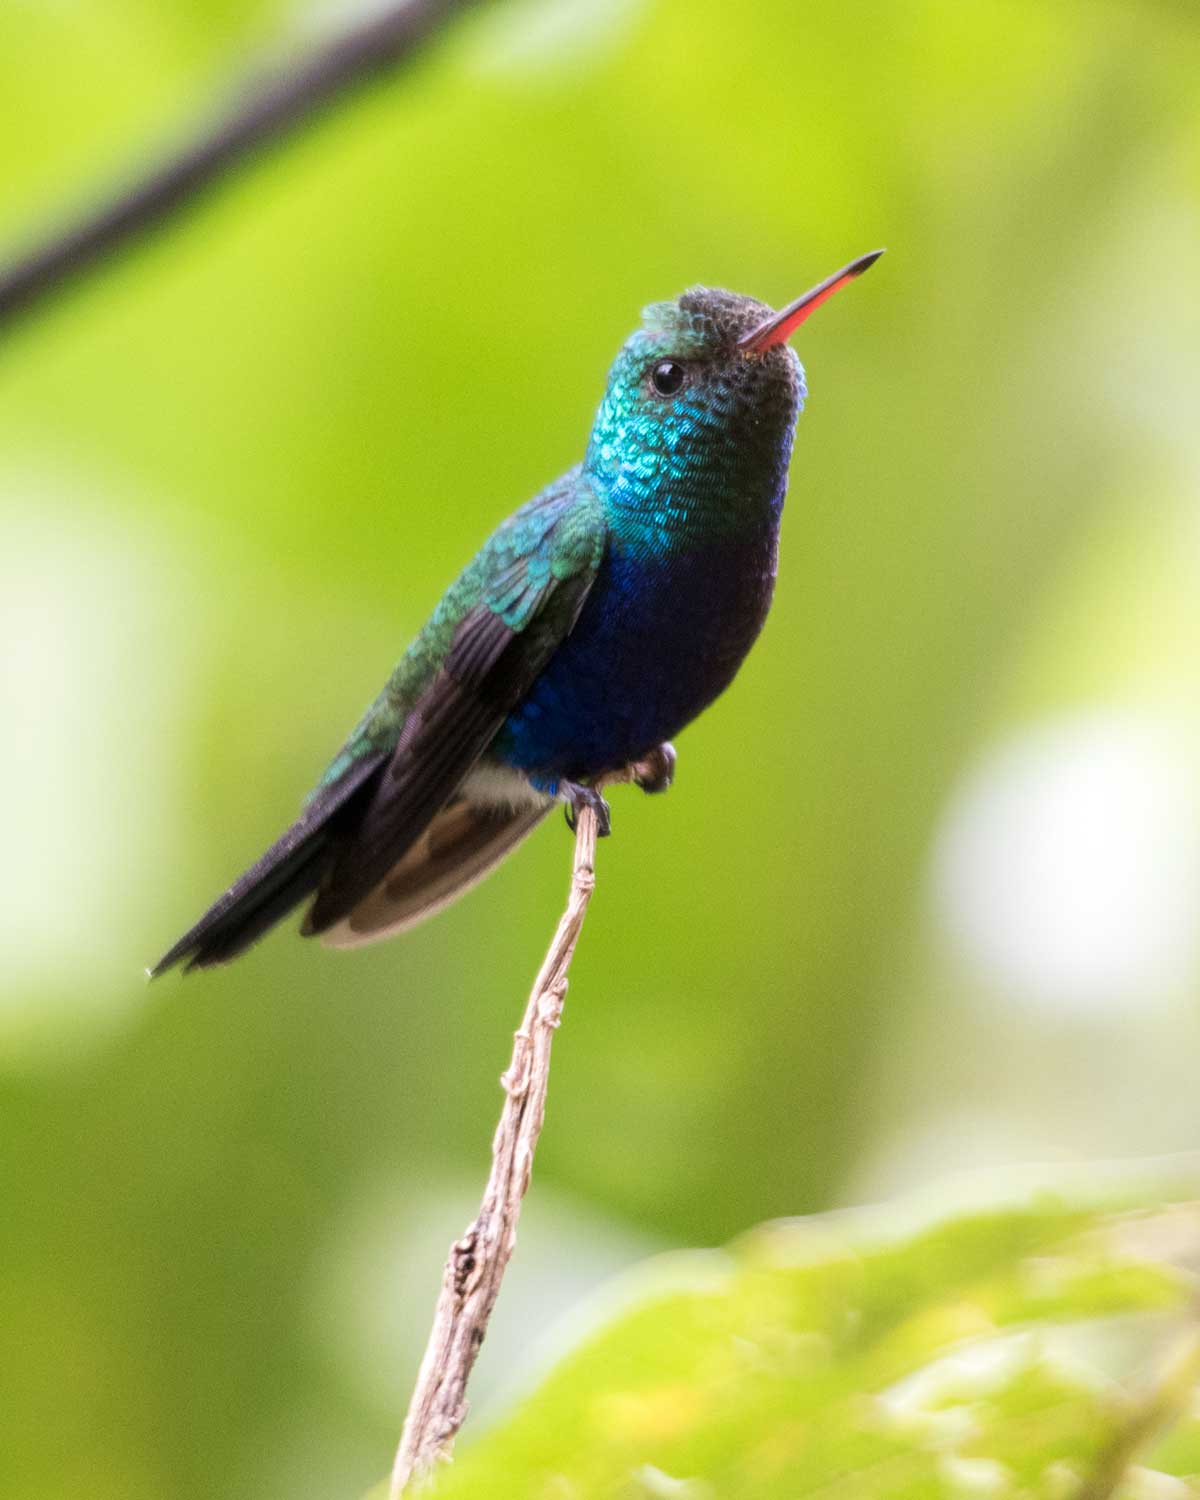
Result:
<point x="290" y="870"/>
<point x="258" y="912"/>
<point x="461" y="845"/>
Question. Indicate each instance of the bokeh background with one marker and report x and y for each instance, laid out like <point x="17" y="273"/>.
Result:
<point x="926" y="894"/>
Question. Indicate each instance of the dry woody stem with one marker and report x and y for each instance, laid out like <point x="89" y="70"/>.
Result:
<point x="475" y="1268"/>
<point x="1167" y="1396"/>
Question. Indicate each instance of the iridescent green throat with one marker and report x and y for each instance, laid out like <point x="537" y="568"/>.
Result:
<point x="711" y="459"/>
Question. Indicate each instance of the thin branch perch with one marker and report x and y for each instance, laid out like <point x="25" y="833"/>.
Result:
<point x="1168" y="1395"/>
<point x="265" y="115"/>
<point x="475" y="1268"/>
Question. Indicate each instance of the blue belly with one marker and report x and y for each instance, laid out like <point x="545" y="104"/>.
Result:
<point x="656" y="641"/>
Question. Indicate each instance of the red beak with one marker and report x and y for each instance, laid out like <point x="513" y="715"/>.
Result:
<point x="780" y="326"/>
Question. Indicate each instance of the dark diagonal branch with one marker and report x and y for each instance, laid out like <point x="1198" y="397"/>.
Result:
<point x="264" y="116"/>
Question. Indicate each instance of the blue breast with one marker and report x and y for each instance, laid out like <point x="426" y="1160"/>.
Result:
<point x="658" y="638"/>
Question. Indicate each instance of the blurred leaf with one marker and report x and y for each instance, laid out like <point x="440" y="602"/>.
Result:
<point x="1012" y="1351"/>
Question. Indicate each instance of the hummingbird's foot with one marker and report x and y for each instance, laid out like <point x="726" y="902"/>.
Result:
<point x="656" y="771"/>
<point x="578" y="797"/>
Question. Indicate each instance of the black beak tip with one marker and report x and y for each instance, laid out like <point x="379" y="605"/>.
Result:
<point x="865" y="262"/>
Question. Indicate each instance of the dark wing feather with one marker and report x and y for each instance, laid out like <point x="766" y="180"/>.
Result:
<point x="290" y="870"/>
<point x="489" y="667"/>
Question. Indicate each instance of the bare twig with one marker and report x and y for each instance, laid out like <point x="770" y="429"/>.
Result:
<point x="471" y="1280"/>
<point x="266" y="114"/>
<point x="1157" y="1408"/>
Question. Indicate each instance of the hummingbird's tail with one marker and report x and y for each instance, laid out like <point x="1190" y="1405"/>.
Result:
<point x="290" y="870"/>
<point x="464" y="842"/>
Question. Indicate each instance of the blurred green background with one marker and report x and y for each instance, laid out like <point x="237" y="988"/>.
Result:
<point x="926" y="894"/>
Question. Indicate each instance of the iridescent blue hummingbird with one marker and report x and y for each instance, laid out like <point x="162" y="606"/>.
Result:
<point x="592" y="625"/>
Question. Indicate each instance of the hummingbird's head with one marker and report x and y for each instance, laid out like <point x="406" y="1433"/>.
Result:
<point x="701" y="404"/>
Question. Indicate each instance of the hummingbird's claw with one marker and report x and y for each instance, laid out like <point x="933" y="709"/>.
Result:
<point x="656" y="771"/>
<point x="578" y="797"/>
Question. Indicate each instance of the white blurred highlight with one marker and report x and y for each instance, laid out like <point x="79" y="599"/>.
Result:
<point x="92" y="647"/>
<point x="1067" y="872"/>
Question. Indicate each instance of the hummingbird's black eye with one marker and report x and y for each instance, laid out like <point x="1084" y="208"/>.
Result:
<point x="667" y="376"/>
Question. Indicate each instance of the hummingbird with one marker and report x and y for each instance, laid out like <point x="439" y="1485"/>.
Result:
<point x="593" y="624"/>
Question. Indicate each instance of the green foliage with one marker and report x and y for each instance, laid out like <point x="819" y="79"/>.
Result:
<point x="1015" y="1352"/>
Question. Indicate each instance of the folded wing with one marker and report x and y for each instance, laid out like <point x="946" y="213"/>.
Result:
<point x="495" y="656"/>
<point x="373" y="846"/>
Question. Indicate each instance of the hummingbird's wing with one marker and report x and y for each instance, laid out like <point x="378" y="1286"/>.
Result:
<point x="490" y="636"/>
<point x="530" y="599"/>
